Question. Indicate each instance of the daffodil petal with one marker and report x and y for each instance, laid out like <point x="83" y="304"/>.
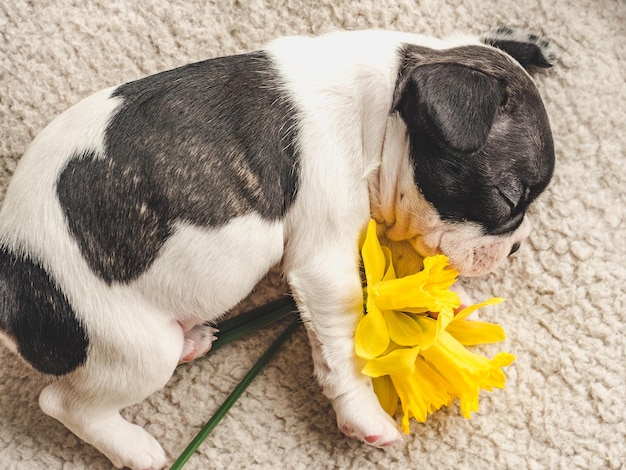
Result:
<point x="467" y="373"/>
<point x="439" y="272"/>
<point x="398" y="294"/>
<point x="421" y="393"/>
<point x="444" y="319"/>
<point x="403" y="329"/>
<point x="390" y="273"/>
<point x="373" y="256"/>
<point x="467" y="311"/>
<point x="462" y="368"/>
<point x="398" y="362"/>
<point x="372" y="337"/>
<point x="471" y="333"/>
<point x="443" y="300"/>
<point x="416" y="309"/>
<point x="410" y="294"/>
<point x="468" y="403"/>
<point x="429" y="331"/>
<point x="503" y="359"/>
<point x="386" y="393"/>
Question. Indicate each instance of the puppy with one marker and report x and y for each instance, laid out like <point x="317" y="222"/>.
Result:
<point x="153" y="207"/>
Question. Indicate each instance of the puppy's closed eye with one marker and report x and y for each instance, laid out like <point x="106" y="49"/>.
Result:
<point x="504" y="208"/>
<point x="512" y="195"/>
<point x="498" y="206"/>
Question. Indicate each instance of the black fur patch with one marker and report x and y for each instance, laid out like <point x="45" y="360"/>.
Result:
<point x="201" y="144"/>
<point x="36" y="314"/>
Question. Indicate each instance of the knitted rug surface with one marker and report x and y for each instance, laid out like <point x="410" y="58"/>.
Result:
<point x="564" y="405"/>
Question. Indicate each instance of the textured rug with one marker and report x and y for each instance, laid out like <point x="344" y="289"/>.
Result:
<point x="564" y="405"/>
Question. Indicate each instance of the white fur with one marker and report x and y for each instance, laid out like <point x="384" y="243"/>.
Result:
<point x="353" y="164"/>
<point x="209" y="280"/>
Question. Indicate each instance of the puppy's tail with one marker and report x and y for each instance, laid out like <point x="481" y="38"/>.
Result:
<point x="36" y="319"/>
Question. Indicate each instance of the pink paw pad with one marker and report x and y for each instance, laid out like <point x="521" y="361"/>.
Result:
<point x="198" y="342"/>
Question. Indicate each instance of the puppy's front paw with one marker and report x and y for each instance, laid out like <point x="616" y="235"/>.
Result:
<point x="465" y="298"/>
<point x="360" y="416"/>
<point x="134" y="448"/>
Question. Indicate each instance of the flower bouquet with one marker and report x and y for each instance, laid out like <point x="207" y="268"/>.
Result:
<point x="411" y="339"/>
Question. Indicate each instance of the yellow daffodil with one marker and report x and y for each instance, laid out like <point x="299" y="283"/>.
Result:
<point x="412" y="357"/>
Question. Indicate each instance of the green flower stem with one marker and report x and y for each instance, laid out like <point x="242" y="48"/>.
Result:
<point x="235" y="394"/>
<point x="248" y="322"/>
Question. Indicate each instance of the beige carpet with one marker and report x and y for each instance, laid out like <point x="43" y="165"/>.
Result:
<point x="564" y="405"/>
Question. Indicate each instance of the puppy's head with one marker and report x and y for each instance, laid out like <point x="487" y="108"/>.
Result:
<point x="480" y="149"/>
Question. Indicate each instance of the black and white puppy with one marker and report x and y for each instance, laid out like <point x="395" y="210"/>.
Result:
<point x="150" y="208"/>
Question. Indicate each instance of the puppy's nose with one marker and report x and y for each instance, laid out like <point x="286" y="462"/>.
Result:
<point x="514" y="248"/>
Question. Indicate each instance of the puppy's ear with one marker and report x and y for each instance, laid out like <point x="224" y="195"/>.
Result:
<point x="451" y="104"/>
<point x="529" y="49"/>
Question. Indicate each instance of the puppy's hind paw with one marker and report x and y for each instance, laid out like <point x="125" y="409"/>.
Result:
<point x="198" y="342"/>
